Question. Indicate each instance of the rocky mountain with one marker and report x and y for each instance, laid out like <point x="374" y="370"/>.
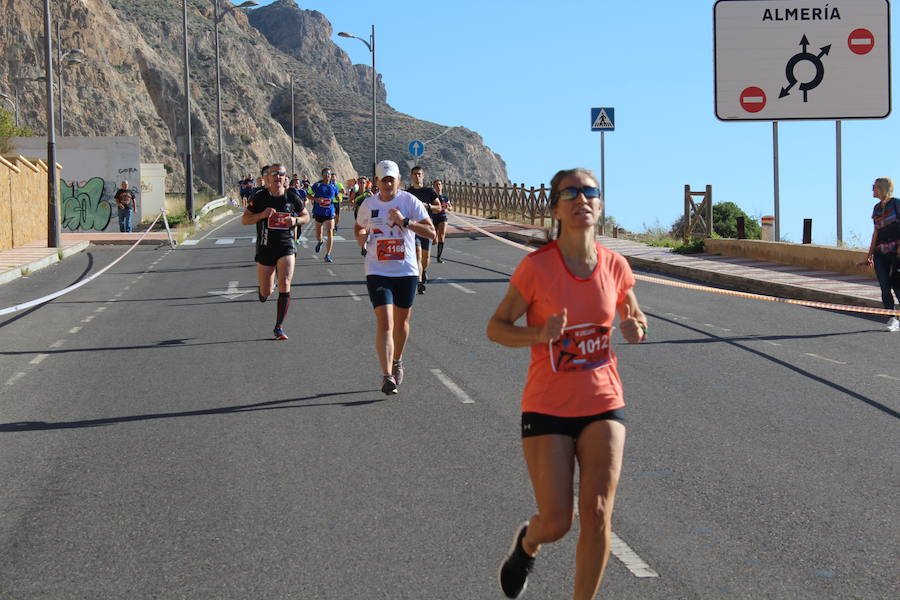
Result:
<point x="131" y="83"/>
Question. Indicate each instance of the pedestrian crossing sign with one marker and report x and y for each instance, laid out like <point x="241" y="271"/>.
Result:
<point x="603" y="119"/>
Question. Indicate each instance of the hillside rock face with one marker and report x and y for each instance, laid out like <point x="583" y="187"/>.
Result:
<point x="132" y="83"/>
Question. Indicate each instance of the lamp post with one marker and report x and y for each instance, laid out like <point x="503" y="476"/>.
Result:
<point x="52" y="196"/>
<point x="371" y="46"/>
<point x="69" y="57"/>
<point x="293" y="143"/>
<point x="188" y="161"/>
<point x="218" y="19"/>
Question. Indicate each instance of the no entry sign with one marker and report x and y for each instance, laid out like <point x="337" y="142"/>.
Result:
<point x="861" y="41"/>
<point x="753" y="99"/>
<point x="788" y="59"/>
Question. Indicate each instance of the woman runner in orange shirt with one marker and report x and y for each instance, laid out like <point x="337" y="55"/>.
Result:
<point x="570" y="290"/>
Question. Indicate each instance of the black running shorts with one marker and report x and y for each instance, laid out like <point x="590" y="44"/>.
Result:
<point x="424" y="243"/>
<point x="399" y="291"/>
<point x="269" y="257"/>
<point x="540" y="424"/>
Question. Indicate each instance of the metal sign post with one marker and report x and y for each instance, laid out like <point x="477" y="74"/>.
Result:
<point x="603" y="119"/>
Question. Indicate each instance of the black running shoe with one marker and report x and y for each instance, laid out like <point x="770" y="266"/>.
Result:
<point x="439" y="259"/>
<point x="515" y="568"/>
<point x="363" y="251"/>
<point x="318" y="247"/>
<point x="421" y="288"/>
<point x="389" y="385"/>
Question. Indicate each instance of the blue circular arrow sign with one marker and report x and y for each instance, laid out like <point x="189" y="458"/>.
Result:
<point x="416" y="148"/>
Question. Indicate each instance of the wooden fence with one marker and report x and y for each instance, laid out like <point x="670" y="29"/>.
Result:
<point x="23" y="201"/>
<point x="509" y="202"/>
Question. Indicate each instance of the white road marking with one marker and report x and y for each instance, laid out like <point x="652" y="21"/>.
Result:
<point x="140" y="276"/>
<point x="630" y="559"/>
<point x="88" y="319"/>
<point x="38" y="359"/>
<point x="772" y="343"/>
<point x="119" y="294"/>
<point x="75" y="330"/>
<point x="831" y="360"/>
<point x="332" y="273"/>
<point x="190" y="242"/>
<point x="111" y="300"/>
<point x="126" y="288"/>
<point x="57" y="343"/>
<point x="15" y="378"/>
<point x="354" y="295"/>
<point x="100" y="309"/>
<point x="457" y="391"/>
<point x="461" y="288"/>
<point x="223" y="241"/>
<point x="888" y="377"/>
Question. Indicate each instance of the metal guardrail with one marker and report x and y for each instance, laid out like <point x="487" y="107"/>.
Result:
<point x="210" y="206"/>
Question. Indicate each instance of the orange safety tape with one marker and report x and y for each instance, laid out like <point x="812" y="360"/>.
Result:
<point x="704" y="288"/>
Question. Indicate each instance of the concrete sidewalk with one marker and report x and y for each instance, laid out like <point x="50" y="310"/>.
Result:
<point x="743" y="274"/>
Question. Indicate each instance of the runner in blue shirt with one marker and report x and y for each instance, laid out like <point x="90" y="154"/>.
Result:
<point x="324" y="192"/>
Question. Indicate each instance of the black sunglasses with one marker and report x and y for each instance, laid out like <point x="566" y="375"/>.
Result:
<point x="278" y="173"/>
<point x="570" y="193"/>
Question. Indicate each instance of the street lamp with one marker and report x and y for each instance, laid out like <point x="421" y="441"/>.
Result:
<point x="52" y="195"/>
<point x="216" y="20"/>
<point x="371" y="46"/>
<point x="188" y="161"/>
<point x="69" y="57"/>
<point x="280" y="87"/>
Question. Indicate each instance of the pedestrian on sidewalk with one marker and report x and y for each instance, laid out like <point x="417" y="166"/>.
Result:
<point x="570" y="290"/>
<point x="388" y="224"/>
<point x="885" y="245"/>
<point x="125" y="204"/>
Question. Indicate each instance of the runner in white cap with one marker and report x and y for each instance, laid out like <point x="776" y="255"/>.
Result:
<point x="387" y="224"/>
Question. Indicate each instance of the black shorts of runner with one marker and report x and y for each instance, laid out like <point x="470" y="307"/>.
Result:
<point x="540" y="424"/>
<point x="245" y="193"/>
<point x="269" y="258"/>
<point x="424" y="243"/>
<point x="399" y="291"/>
<point x="337" y="209"/>
<point x="436" y="219"/>
<point x="322" y="218"/>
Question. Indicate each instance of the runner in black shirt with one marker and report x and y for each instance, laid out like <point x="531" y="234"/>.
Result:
<point x="430" y="199"/>
<point x="275" y="210"/>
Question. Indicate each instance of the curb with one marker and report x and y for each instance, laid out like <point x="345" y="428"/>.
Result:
<point x="726" y="280"/>
<point x="41" y="263"/>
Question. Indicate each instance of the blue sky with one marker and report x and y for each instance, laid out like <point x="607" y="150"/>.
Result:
<point x="525" y="75"/>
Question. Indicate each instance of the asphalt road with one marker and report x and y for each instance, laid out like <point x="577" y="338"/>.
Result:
<point x="157" y="443"/>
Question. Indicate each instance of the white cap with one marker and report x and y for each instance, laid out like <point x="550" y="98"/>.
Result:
<point x="387" y="168"/>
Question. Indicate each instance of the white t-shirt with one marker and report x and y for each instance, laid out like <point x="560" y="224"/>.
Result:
<point x="391" y="250"/>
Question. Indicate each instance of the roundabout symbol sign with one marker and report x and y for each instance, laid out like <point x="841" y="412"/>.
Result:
<point x="816" y="60"/>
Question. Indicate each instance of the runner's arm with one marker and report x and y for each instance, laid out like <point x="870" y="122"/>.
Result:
<point x="632" y="320"/>
<point x="502" y="327"/>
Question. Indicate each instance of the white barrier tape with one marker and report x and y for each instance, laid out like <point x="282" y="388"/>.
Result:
<point x="704" y="288"/>
<point x="75" y="286"/>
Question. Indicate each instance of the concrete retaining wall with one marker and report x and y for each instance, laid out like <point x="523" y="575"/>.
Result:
<point x="822" y="258"/>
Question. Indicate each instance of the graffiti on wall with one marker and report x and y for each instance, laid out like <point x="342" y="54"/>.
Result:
<point x="84" y="205"/>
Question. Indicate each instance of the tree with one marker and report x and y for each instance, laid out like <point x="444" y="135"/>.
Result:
<point x="9" y="130"/>
<point x="725" y="216"/>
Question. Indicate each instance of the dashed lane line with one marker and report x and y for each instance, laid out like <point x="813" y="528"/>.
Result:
<point x="332" y="273"/>
<point x="88" y="319"/>
<point x="630" y="559"/>
<point x="100" y="309"/>
<point x="450" y="385"/>
<point x="825" y="358"/>
<point x="38" y="359"/>
<point x="15" y="378"/>
<point x="461" y="288"/>
<point x="75" y="330"/>
<point x="888" y="377"/>
<point x="57" y="343"/>
<point x="354" y="295"/>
